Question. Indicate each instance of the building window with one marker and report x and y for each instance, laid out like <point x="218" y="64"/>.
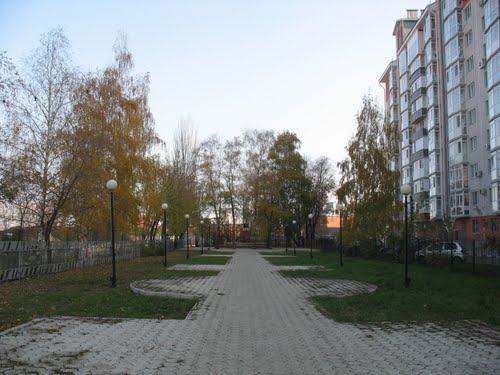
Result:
<point x="473" y="143"/>
<point x="474" y="170"/>
<point x="471" y="90"/>
<point x="467" y="12"/>
<point x="468" y="38"/>
<point x="494" y="226"/>
<point x="471" y="117"/>
<point x="475" y="226"/>
<point x="493" y="102"/>
<point x="470" y="64"/>
<point x="475" y="198"/>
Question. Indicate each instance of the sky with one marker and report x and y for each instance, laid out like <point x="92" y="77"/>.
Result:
<point x="297" y="65"/>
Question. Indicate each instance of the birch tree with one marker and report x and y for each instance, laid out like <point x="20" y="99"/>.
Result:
<point x="231" y="177"/>
<point x="38" y="129"/>
<point x="368" y="186"/>
<point x="117" y="127"/>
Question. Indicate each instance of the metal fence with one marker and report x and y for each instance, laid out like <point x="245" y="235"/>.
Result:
<point x="24" y="259"/>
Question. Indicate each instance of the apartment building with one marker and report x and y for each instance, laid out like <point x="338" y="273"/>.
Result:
<point x="442" y="94"/>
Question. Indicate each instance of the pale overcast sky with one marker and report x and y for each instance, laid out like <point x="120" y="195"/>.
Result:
<point x="302" y="65"/>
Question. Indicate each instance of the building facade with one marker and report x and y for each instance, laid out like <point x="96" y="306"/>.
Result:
<point x="442" y="95"/>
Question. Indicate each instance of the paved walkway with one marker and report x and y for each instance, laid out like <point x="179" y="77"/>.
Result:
<point x="252" y="321"/>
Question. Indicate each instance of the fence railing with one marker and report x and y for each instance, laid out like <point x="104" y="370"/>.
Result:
<point x="24" y="259"/>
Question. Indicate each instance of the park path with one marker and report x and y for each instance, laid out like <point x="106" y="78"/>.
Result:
<point x="252" y="321"/>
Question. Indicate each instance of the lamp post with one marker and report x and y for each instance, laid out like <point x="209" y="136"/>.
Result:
<point x="111" y="185"/>
<point x="186" y="216"/>
<point x="209" y="237"/>
<point x="310" y="216"/>
<point x="293" y="239"/>
<point x="340" y="208"/>
<point x="201" y="235"/>
<point x="406" y="190"/>
<point x="164" y="207"/>
<point x="286" y="238"/>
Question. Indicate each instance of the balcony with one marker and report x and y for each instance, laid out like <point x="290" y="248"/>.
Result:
<point x="418" y="115"/>
<point x="419" y="155"/>
<point x="421" y="132"/>
<point x="417" y="94"/>
<point x="415" y="75"/>
<point x="421" y="196"/>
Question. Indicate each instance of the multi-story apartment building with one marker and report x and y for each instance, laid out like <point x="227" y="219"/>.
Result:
<point x="443" y="96"/>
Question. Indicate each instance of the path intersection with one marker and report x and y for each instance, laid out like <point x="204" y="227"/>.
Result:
<point x="250" y="320"/>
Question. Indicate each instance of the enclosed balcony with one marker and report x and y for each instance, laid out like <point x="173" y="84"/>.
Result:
<point x="418" y="93"/>
<point x="416" y="74"/>
<point x="419" y="114"/>
<point x="419" y="155"/>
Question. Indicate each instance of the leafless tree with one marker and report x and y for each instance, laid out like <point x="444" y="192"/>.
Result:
<point x="39" y="120"/>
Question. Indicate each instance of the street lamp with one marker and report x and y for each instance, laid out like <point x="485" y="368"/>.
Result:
<point x="186" y="216"/>
<point x="164" y="207"/>
<point x="201" y="230"/>
<point x="286" y="238"/>
<point x="310" y="216"/>
<point x="209" y="236"/>
<point x="293" y="237"/>
<point x="111" y="185"/>
<point x="406" y="190"/>
<point x="340" y="208"/>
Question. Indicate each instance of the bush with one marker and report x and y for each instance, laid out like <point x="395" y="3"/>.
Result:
<point x="152" y="249"/>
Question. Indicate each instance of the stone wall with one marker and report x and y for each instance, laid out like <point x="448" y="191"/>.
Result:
<point x="24" y="259"/>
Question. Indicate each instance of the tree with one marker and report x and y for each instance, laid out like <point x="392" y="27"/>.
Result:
<point x="257" y="145"/>
<point x="231" y="176"/>
<point x="368" y="186"/>
<point x="288" y="180"/>
<point x="117" y="127"/>
<point x="320" y="173"/>
<point x="211" y="178"/>
<point x="38" y="132"/>
<point x="181" y="192"/>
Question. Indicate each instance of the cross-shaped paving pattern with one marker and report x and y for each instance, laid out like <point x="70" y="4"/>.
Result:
<point x="251" y="320"/>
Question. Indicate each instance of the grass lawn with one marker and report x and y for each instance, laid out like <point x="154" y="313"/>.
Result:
<point x="87" y="292"/>
<point x="434" y="293"/>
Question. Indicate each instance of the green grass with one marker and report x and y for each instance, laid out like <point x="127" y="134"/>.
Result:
<point x="87" y="292"/>
<point x="206" y="260"/>
<point x="434" y="293"/>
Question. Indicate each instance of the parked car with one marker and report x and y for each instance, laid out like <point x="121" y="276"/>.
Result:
<point x="441" y="249"/>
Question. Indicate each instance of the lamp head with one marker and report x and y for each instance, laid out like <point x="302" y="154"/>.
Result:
<point x="164" y="206"/>
<point x="186" y="216"/>
<point x="405" y="189"/>
<point x="111" y="185"/>
<point x="310" y="216"/>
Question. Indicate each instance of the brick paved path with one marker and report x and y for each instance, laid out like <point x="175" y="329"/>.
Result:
<point x="253" y="321"/>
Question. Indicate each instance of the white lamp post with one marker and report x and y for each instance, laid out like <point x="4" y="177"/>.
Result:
<point x="406" y="190"/>
<point x="201" y="235"/>
<point x="164" y="207"/>
<point x="111" y="185"/>
<point x="340" y="208"/>
<point x="186" y="216"/>
<point x="310" y="216"/>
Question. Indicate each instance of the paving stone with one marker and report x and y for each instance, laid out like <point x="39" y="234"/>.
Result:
<point x="250" y="320"/>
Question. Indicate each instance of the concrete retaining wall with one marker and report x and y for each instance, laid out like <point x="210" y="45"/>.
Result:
<point x="24" y="259"/>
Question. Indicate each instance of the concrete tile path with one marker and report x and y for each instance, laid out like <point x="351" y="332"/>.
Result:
<point x="251" y="321"/>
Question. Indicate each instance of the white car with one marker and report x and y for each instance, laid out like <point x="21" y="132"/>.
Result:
<point x="442" y="249"/>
